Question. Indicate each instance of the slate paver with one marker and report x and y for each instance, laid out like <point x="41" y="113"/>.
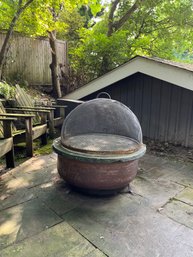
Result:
<point x="156" y="191"/>
<point x="184" y="235"/>
<point x="36" y="171"/>
<point x="25" y="220"/>
<point x="95" y="253"/>
<point x="14" y="192"/>
<point x="60" y="240"/>
<point x="125" y="227"/>
<point x="57" y="196"/>
<point x="149" y="162"/>
<point x="41" y="216"/>
<point x="37" y="177"/>
<point x="180" y="212"/>
<point x="186" y="196"/>
<point x="184" y="177"/>
<point x="15" y="186"/>
<point x="158" y="172"/>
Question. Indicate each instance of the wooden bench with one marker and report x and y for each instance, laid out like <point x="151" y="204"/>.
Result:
<point x="28" y="133"/>
<point x="55" y="113"/>
<point x="6" y="143"/>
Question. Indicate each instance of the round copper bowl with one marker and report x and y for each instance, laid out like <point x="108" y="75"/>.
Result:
<point x="96" y="154"/>
<point x="100" y="172"/>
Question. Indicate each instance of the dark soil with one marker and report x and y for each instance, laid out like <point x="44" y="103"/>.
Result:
<point x="170" y="151"/>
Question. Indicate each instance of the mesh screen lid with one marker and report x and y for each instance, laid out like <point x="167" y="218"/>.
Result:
<point x="103" y="125"/>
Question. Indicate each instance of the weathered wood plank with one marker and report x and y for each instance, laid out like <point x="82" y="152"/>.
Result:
<point x="5" y="146"/>
<point x="185" y="111"/>
<point x="138" y="97"/>
<point x="23" y="99"/>
<point x="29" y="137"/>
<point x="43" y="113"/>
<point x="58" y="121"/>
<point x="17" y="115"/>
<point x="155" y="109"/>
<point x="28" y="110"/>
<point x="38" y="131"/>
<point x="2" y="111"/>
<point x="174" y="114"/>
<point x="26" y="135"/>
<point x="165" y="110"/>
<point x="146" y="109"/>
<point x="31" y="58"/>
<point x="40" y="108"/>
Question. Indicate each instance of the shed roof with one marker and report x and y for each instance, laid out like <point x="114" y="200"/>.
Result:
<point x="179" y="74"/>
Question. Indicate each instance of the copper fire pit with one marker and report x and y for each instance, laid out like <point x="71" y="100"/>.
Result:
<point x="99" y="148"/>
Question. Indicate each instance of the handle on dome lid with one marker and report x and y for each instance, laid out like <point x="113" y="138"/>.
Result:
<point x="106" y="95"/>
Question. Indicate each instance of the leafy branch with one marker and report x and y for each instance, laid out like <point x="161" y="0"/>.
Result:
<point x="5" y="47"/>
<point x="113" y="26"/>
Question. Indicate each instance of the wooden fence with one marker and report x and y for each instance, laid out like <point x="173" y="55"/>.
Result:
<point x="30" y="58"/>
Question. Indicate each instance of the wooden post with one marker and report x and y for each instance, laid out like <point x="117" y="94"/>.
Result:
<point x="51" y="123"/>
<point x="29" y="136"/>
<point x="43" y="116"/>
<point x="8" y="133"/>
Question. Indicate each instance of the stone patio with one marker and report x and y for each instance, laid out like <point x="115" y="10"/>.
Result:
<point x="41" y="216"/>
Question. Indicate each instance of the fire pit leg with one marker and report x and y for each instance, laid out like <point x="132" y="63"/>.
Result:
<point x="126" y="190"/>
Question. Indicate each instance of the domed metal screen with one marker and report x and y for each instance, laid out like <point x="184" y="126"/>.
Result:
<point x="102" y="125"/>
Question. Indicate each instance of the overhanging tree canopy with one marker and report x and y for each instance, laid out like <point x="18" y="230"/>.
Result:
<point x="142" y="27"/>
<point x="98" y="43"/>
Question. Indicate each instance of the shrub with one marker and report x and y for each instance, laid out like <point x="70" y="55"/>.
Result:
<point x="6" y="91"/>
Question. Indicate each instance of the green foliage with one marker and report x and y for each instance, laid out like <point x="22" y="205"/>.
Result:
<point x="49" y="15"/>
<point x="43" y="149"/>
<point x="160" y="28"/>
<point x="7" y="10"/>
<point x="6" y="91"/>
<point x="44" y="16"/>
<point x="157" y="28"/>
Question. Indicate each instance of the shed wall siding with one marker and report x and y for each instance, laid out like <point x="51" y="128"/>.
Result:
<point x="164" y="110"/>
<point x="30" y="58"/>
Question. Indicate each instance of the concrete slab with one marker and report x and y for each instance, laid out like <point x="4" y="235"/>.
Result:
<point x="25" y="220"/>
<point x="61" y="240"/>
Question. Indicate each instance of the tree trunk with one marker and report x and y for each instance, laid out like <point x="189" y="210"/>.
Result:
<point x="54" y="64"/>
<point x="5" y="46"/>
<point x="114" y="26"/>
<point x="105" y="65"/>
